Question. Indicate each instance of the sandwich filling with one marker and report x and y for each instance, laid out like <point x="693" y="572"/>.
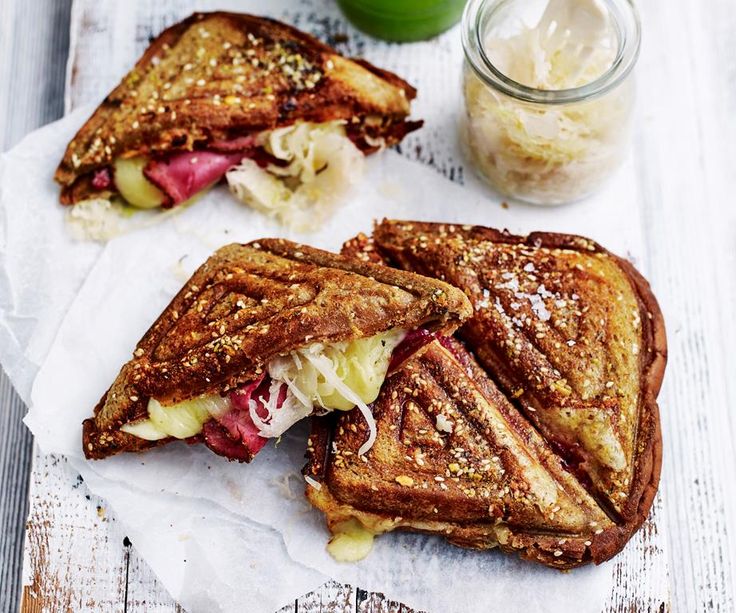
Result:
<point x="295" y="174"/>
<point x="317" y="378"/>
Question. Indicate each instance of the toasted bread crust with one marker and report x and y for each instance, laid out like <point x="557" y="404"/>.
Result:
<point x="248" y="304"/>
<point x="219" y="76"/>
<point x="389" y="244"/>
<point x="504" y="508"/>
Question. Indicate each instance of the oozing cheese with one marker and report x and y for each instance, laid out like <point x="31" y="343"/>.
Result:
<point x="350" y="541"/>
<point x="133" y="184"/>
<point x="335" y="376"/>
<point x="180" y="420"/>
<point x="315" y="374"/>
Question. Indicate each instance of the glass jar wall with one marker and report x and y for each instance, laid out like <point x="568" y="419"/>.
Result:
<point x="548" y="93"/>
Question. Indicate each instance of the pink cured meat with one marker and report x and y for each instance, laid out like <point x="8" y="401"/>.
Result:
<point x="216" y="437"/>
<point x="102" y="179"/>
<point x="413" y="342"/>
<point x="234" y="435"/>
<point x="182" y="175"/>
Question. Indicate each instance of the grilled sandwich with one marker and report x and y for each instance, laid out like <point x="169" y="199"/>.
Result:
<point x="262" y="335"/>
<point x="283" y="114"/>
<point x="452" y="457"/>
<point x="573" y="339"/>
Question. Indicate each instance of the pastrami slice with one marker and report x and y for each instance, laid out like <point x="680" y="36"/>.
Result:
<point x="182" y="175"/>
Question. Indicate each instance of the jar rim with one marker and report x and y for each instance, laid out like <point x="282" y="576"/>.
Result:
<point x="625" y="19"/>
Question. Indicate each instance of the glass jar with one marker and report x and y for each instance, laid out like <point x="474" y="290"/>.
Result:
<point x="548" y="93"/>
<point x="402" y="20"/>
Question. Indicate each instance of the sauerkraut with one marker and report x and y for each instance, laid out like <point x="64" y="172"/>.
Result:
<point x="337" y="376"/>
<point x="100" y="219"/>
<point x="319" y="164"/>
<point x="96" y="219"/>
<point x="542" y="152"/>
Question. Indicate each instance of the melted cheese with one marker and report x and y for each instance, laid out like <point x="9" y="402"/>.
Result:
<point x="133" y="184"/>
<point x="312" y="373"/>
<point x="350" y="541"/>
<point x="180" y="420"/>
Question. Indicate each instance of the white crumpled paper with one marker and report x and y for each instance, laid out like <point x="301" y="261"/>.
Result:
<point x="221" y="534"/>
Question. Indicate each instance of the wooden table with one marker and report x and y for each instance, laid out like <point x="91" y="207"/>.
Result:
<point x="77" y="558"/>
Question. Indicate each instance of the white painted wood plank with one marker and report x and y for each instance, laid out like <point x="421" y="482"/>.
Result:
<point x="33" y="48"/>
<point x="70" y="562"/>
<point x="34" y="39"/>
<point x="15" y="464"/>
<point x="680" y="152"/>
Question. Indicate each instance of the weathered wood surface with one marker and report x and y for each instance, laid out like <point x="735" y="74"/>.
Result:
<point x="34" y="40"/>
<point x="76" y="556"/>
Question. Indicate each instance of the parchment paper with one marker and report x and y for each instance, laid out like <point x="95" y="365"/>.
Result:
<point x="222" y="534"/>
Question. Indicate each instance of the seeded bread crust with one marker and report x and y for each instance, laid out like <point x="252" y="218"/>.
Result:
<point x="248" y="304"/>
<point x="490" y="482"/>
<point x="399" y="244"/>
<point x="219" y="76"/>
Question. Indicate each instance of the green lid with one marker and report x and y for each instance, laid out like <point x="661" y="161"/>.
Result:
<point x="402" y="20"/>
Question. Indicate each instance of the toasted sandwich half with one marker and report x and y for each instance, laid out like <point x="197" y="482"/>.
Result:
<point x="452" y="457"/>
<point x="262" y="335"/>
<point x="219" y="92"/>
<point x="572" y="334"/>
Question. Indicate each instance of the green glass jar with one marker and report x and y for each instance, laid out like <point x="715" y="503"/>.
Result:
<point x="402" y="20"/>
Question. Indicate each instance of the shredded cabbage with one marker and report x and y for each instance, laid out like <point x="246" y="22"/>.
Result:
<point x="337" y="376"/>
<point x="100" y="219"/>
<point x="96" y="219"/>
<point x="278" y="419"/>
<point x="322" y="164"/>
<point x="549" y="154"/>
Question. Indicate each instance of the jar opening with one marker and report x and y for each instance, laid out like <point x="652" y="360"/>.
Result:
<point x="602" y="63"/>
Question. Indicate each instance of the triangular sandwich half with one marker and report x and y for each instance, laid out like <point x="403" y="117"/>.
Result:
<point x="572" y="334"/>
<point x="219" y="90"/>
<point x="262" y="335"/>
<point x="452" y="457"/>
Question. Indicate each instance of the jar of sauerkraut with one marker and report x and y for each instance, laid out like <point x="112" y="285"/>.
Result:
<point x="548" y="93"/>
